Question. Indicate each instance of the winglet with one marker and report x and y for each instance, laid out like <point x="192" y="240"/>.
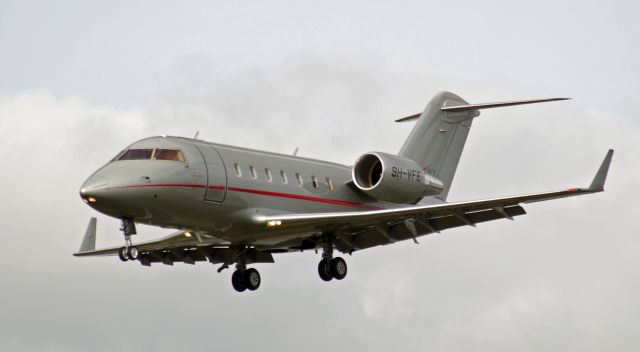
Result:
<point x="89" y="240"/>
<point x="597" y="185"/>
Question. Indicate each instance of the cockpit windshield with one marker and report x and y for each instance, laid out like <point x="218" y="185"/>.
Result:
<point x="136" y="154"/>
<point x="148" y="154"/>
<point x="168" y="154"/>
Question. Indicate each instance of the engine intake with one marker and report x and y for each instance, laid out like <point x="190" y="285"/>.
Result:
<point x="393" y="179"/>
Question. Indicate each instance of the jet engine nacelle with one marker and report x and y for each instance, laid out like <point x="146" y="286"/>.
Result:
<point x="392" y="178"/>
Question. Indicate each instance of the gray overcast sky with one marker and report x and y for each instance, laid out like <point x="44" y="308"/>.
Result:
<point x="81" y="80"/>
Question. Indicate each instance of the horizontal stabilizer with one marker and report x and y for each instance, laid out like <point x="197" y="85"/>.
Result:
<point x="471" y="107"/>
<point x="497" y="105"/>
<point x="409" y="118"/>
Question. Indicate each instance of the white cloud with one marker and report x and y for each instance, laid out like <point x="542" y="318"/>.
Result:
<point x="562" y="278"/>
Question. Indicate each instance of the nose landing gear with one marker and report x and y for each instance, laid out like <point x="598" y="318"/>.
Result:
<point x="129" y="251"/>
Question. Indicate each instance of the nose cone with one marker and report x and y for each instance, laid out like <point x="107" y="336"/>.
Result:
<point x="99" y="191"/>
<point x="91" y="186"/>
<point x="114" y="191"/>
<point x="92" y="189"/>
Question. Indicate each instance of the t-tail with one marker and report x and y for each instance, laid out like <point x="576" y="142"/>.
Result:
<point x="437" y="139"/>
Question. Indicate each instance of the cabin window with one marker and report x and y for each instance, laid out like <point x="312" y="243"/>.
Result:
<point x="268" y="173"/>
<point x="299" y="178"/>
<point x="330" y="184"/>
<point x="168" y="154"/>
<point x="252" y="169"/>
<point x="236" y="167"/>
<point x="314" y="180"/>
<point x="283" y="177"/>
<point x="136" y="154"/>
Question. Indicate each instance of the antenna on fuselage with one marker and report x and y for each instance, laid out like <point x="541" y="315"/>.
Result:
<point x="196" y="135"/>
<point x="295" y="152"/>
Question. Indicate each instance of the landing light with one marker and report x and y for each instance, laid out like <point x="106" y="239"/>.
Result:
<point x="92" y="200"/>
<point x="187" y="234"/>
<point x="274" y="223"/>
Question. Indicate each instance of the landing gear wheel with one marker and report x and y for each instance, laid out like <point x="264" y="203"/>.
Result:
<point x="237" y="281"/>
<point x="123" y="255"/>
<point x="338" y="268"/>
<point x="324" y="270"/>
<point x="252" y="279"/>
<point x="133" y="253"/>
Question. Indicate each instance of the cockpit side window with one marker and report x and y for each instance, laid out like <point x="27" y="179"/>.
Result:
<point x="118" y="155"/>
<point x="168" y="154"/>
<point x="136" y="154"/>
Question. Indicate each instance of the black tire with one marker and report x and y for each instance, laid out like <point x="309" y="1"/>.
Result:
<point x="252" y="279"/>
<point x="133" y="253"/>
<point x="324" y="270"/>
<point x="237" y="281"/>
<point x="338" y="268"/>
<point x="122" y="254"/>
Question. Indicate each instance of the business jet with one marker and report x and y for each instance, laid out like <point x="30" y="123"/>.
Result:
<point x="237" y="206"/>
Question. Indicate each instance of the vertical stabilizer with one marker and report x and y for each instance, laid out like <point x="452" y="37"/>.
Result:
<point x="437" y="139"/>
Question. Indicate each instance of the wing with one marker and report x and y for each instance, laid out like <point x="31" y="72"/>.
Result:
<point x="177" y="239"/>
<point x="182" y="246"/>
<point x="358" y="230"/>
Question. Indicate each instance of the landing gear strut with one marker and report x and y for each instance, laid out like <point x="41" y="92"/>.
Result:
<point x="330" y="267"/>
<point x="243" y="278"/>
<point x="129" y="251"/>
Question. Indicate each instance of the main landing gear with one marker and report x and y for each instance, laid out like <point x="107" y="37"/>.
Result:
<point x="243" y="278"/>
<point x="330" y="267"/>
<point x="129" y="251"/>
<point x="248" y="279"/>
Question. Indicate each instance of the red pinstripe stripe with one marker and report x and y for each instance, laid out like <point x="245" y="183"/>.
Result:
<point x="258" y="192"/>
<point x="301" y="197"/>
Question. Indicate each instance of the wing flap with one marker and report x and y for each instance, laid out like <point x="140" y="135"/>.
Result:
<point x="399" y="232"/>
<point x="191" y="255"/>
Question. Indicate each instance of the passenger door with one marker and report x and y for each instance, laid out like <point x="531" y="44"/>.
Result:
<point x="216" y="174"/>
